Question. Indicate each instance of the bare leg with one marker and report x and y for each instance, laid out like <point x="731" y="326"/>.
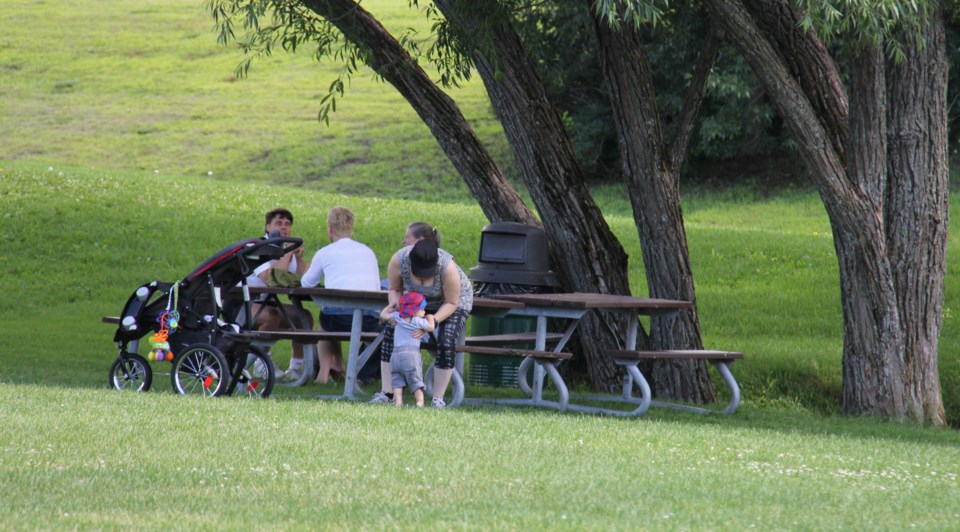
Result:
<point x="386" y="383"/>
<point x="418" y="395"/>
<point x="441" y="378"/>
<point x="270" y="319"/>
<point x="331" y="359"/>
<point x="323" y="353"/>
<point x="297" y="351"/>
<point x="398" y="396"/>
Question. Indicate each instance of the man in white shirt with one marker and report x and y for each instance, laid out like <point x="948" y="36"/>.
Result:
<point x="343" y="264"/>
<point x="270" y="318"/>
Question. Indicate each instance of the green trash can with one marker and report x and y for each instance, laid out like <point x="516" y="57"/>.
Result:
<point x="513" y="259"/>
<point x="497" y="370"/>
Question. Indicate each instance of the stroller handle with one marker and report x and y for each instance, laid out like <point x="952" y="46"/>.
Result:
<point x="271" y="248"/>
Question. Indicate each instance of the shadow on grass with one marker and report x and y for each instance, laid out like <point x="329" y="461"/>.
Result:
<point x="789" y="402"/>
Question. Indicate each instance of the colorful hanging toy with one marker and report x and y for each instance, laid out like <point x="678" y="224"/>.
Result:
<point x="169" y="320"/>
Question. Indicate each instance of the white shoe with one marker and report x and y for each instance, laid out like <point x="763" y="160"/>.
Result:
<point x="293" y="374"/>
<point x="260" y="370"/>
<point x="380" y="398"/>
<point x="439" y="403"/>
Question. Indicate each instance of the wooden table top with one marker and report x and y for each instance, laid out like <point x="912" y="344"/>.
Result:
<point x="374" y="295"/>
<point x="583" y="300"/>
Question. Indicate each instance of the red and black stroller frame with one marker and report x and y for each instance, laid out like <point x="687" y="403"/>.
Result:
<point x="211" y="354"/>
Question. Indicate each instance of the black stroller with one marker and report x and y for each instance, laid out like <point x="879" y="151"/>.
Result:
<point x="211" y="354"/>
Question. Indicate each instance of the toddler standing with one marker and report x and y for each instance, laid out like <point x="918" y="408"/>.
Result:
<point x="406" y="365"/>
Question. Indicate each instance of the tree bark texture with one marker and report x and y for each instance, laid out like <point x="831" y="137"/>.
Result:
<point x="653" y="185"/>
<point x="866" y="377"/>
<point x="809" y="62"/>
<point x="586" y="253"/>
<point x="916" y="211"/>
<point x="876" y="375"/>
<point x="499" y="201"/>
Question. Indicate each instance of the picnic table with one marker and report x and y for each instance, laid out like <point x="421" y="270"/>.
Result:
<point x="360" y="301"/>
<point x="572" y="307"/>
<point x="544" y="358"/>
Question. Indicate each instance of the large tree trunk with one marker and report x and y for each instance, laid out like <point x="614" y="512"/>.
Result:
<point x="876" y="379"/>
<point x="872" y="354"/>
<point x="916" y="212"/>
<point x="651" y="174"/>
<point x="499" y="201"/>
<point x="587" y="254"/>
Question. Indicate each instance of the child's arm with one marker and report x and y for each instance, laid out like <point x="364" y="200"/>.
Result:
<point x="431" y="322"/>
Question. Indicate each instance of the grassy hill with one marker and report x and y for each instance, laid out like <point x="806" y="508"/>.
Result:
<point x="145" y="88"/>
<point x="139" y="99"/>
<point x="76" y="243"/>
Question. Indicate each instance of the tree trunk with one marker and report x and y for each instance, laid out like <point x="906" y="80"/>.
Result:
<point x="499" y="201"/>
<point x="653" y="184"/>
<point x="916" y="212"/>
<point x="809" y="62"/>
<point x="888" y="210"/>
<point x="872" y="355"/>
<point x="587" y="255"/>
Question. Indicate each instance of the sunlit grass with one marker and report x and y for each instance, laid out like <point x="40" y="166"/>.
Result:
<point x="765" y="287"/>
<point x="101" y="459"/>
<point x="147" y="89"/>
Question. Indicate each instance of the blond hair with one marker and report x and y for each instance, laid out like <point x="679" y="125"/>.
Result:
<point x="340" y="222"/>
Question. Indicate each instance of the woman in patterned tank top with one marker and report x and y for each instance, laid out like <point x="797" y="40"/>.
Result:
<point x="425" y="268"/>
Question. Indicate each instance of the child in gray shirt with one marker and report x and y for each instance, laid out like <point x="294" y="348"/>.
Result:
<point x="406" y="364"/>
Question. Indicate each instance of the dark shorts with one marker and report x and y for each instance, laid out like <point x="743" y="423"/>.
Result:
<point x="344" y="322"/>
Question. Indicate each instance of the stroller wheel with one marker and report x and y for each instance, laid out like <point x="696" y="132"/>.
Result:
<point x="131" y="371"/>
<point x="200" y="370"/>
<point x="252" y="372"/>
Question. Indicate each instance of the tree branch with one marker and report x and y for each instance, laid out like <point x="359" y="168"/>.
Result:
<point x="499" y="200"/>
<point x="810" y="64"/>
<point x="691" y="105"/>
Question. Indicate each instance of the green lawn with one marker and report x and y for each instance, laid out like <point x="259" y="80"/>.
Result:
<point x="78" y="455"/>
<point x="96" y="459"/>
<point x="144" y="87"/>
<point x="129" y="152"/>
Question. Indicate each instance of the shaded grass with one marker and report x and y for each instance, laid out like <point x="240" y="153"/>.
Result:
<point x="765" y="270"/>
<point x="123" y="100"/>
<point x="74" y="243"/>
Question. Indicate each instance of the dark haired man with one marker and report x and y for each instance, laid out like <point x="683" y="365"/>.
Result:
<point x="270" y="318"/>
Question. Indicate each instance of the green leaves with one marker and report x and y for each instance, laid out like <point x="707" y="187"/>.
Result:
<point x="636" y="12"/>
<point x="888" y="24"/>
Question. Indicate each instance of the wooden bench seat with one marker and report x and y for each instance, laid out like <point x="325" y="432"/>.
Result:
<point x="511" y="338"/>
<point x="306" y="335"/>
<point x="511" y="351"/>
<point x="674" y="354"/>
<point x="545" y="361"/>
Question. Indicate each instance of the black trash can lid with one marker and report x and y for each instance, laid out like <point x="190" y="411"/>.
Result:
<point x="514" y="253"/>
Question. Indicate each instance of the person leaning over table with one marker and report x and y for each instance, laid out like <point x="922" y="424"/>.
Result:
<point x="431" y="271"/>
<point x="344" y="264"/>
